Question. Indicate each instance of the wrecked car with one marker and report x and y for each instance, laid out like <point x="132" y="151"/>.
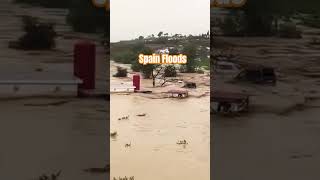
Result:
<point x="229" y="102"/>
<point x="258" y="75"/>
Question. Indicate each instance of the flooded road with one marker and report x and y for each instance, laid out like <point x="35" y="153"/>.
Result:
<point x="154" y="152"/>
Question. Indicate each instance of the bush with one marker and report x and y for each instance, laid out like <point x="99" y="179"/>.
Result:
<point x="190" y="50"/>
<point x="170" y="71"/>
<point x="147" y="70"/>
<point x="136" y="67"/>
<point x="289" y="30"/>
<point x="121" y="72"/>
<point x="183" y="69"/>
<point x="38" y="35"/>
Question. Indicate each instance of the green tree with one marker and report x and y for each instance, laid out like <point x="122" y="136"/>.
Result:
<point x="141" y="38"/>
<point x="136" y="66"/>
<point x="190" y="50"/>
<point x="160" y="34"/>
<point x="170" y="71"/>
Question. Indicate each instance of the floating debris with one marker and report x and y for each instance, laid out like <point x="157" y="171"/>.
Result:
<point x="124" y="178"/>
<point x="53" y="176"/>
<point x="128" y="145"/>
<point x="123" y="118"/>
<point x="113" y="134"/>
<point x="182" y="142"/>
<point x="105" y="169"/>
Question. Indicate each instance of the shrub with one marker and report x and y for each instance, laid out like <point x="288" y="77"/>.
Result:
<point x="37" y="35"/>
<point x="190" y="50"/>
<point x="183" y="69"/>
<point x="147" y="70"/>
<point x="170" y="71"/>
<point x="136" y="67"/>
<point x="121" y="72"/>
<point x="289" y="30"/>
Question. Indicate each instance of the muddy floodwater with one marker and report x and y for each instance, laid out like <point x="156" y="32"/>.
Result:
<point x="154" y="152"/>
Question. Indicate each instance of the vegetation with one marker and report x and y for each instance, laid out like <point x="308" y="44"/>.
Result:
<point x="121" y="72"/>
<point x="190" y="51"/>
<point x="137" y="49"/>
<point x="170" y="71"/>
<point x="174" y="51"/>
<point x="37" y="35"/>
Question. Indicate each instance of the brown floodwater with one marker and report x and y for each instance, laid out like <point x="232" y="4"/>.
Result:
<point x="154" y="152"/>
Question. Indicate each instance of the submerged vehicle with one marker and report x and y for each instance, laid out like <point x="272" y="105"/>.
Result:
<point x="229" y="102"/>
<point x="258" y="75"/>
